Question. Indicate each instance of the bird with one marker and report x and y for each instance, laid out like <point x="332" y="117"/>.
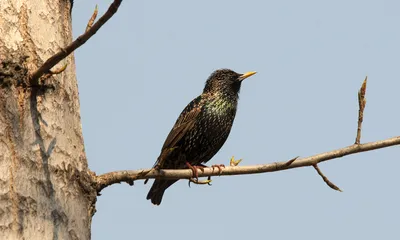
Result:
<point x="201" y="129"/>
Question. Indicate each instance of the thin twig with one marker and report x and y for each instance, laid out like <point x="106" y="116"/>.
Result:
<point x="63" y="53"/>
<point x="361" y="106"/>
<point x="92" y="19"/>
<point x="288" y="163"/>
<point x="110" y="178"/>
<point x="326" y="180"/>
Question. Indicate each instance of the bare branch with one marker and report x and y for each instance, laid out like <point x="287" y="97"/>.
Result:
<point x="63" y="53"/>
<point x="326" y="180"/>
<point x="361" y="106"/>
<point x="108" y="179"/>
<point x="288" y="163"/>
<point x="92" y="19"/>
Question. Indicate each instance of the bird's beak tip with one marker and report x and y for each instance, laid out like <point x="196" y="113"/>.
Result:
<point x="246" y="75"/>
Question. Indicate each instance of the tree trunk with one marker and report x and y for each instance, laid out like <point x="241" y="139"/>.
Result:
<point x="46" y="189"/>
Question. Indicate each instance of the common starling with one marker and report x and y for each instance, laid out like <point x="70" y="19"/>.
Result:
<point x="201" y="129"/>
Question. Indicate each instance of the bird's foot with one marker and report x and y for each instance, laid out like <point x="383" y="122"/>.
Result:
<point x="195" y="178"/>
<point x="234" y="162"/>
<point x="197" y="181"/>
<point x="195" y="170"/>
<point x="219" y="166"/>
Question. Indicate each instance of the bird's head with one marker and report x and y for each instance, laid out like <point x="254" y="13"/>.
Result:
<point x="225" y="81"/>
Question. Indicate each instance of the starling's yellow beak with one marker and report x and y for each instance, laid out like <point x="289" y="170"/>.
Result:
<point x="246" y="75"/>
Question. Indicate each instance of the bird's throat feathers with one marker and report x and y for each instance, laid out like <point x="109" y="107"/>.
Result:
<point x="221" y="103"/>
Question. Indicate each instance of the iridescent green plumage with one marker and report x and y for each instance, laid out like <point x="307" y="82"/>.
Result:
<point x="201" y="129"/>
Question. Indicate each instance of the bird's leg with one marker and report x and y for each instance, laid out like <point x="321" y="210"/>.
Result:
<point x="209" y="177"/>
<point x="194" y="169"/>
<point x="195" y="178"/>
<point x="219" y="166"/>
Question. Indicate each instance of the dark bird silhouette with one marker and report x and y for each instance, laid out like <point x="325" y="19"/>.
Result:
<point x="201" y="129"/>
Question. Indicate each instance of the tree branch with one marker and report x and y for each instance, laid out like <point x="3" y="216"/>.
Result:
<point x="361" y="106"/>
<point x="326" y="180"/>
<point x="107" y="179"/>
<point x="129" y="177"/>
<point x="92" y="19"/>
<point x="63" y="53"/>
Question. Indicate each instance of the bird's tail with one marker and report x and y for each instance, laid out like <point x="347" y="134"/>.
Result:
<point x="157" y="190"/>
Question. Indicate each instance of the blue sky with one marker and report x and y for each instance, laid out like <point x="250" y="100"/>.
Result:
<point x="142" y="68"/>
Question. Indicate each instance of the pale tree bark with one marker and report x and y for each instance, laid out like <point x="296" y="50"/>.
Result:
<point x="45" y="184"/>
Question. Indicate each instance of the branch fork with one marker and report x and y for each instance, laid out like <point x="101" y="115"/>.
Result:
<point x="91" y="29"/>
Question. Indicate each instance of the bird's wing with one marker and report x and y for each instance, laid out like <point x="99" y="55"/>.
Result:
<point x="184" y="123"/>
